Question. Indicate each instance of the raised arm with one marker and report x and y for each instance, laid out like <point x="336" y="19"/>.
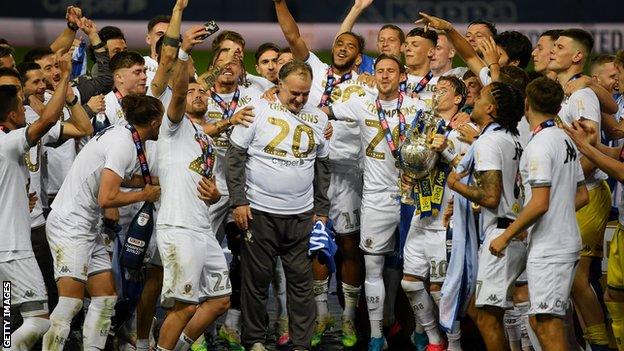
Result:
<point x="177" y="106"/>
<point x="102" y="82"/>
<point x="54" y="107"/>
<point x="168" y="53"/>
<point x="462" y="46"/>
<point x="79" y="125"/>
<point x="66" y="38"/>
<point x="291" y="30"/>
<point x="356" y="10"/>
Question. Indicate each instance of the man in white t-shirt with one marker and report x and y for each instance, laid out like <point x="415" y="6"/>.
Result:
<point x="18" y="265"/>
<point x="106" y="162"/>
<point x="380" y="205"/>
<point x="554" y="188"/>
<point x="276" y="198"/>
<point x="497" y="152"/>
<point x="419" y="48"/>
<point x="334" y="83"/>
<point x="426" y="251"/>
<point x="567" y="59"/>
<point x="442" y="59"/>
<point x="156" y="28"/>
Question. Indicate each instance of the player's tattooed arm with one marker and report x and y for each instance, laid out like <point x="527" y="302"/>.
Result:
<point x="208" y="78"/>
<point x="487" y="191"/>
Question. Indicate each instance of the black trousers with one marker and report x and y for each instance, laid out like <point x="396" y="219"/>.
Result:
<point x="269" y="236"/>
<point x="46" y="264"/>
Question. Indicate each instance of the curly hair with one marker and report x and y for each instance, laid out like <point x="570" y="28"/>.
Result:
<point x="509" y="103"/>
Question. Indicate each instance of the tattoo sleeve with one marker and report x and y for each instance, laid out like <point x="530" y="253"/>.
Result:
<point x="487" y="191"/>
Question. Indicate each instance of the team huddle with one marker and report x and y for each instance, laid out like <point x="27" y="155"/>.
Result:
<point x="473" y="199"/>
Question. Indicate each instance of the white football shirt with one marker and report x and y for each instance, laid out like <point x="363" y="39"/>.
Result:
<point x="551" y="160"/>
<point x="14" y="212"/>
<point x="281" y="148"/>
<point x="500" y="151"/>
<point x="380" y="171"/>
<point x="179" y="161"/>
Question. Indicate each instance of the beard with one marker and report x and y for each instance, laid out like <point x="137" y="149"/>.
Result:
<point x="348" y="64"/>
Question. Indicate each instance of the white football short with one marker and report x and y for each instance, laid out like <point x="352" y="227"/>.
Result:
<point x="496" y="276"/>
<point x="380" y="222"/>
<point x="23" y="276"/>
<point x="78" y="250"/>
<point x="549" y="286"/>
<point x="345" y="196"/>
<point x="194" y="266"/>
<point x="220" y="213"/>
<point x="424" y="254"/>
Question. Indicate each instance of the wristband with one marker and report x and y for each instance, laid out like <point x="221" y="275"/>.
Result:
<point x="99" y="46"/>
<point x="491" y="64"/>
<point x="449" y="154"/>
<point x="182" y="55"/>
<point x="73" y="102"/>
<point x="175" y="42"/>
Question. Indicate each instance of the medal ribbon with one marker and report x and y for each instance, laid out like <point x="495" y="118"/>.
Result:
<point x="147" y="178"/>
<point x="228" y="111"/>
<point x="4" y="129"/>
<point x="331" y="83"/>
<point x="208" y="155"/>
<point x="381" y="114"/>
<point x="420" y="86"/>
<point x="546" y="124"/>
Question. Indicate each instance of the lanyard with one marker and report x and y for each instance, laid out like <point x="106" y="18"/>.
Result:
<point x="228" y="111"/>
<point x="420" y="86"/>
<point x="207" y="149"/>
<point x="118" y="96"/>
<point x="575" y="77"/>
<point x="331" y="83"/>
<point x="546" y="124"/>
<point x="381" y="114"/>
<point x="4" y="129"/>
<point x="147" y="178"/>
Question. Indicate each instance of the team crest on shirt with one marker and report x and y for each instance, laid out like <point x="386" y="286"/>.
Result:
<point x="187" y="288"/>
<point x="120" y="114"/>
<point x="143" y="219"/>
<point x="197" y="166"/>
<point x="368" y="243"/>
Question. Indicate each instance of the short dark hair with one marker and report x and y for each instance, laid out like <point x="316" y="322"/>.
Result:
<point x="111" y="32"/>
<point x="552" y="33"/>
<point x="534" y="75"/>
<point x="4" y="42"/>
<point x="358" y="38"/>
<point x="295" y="66"/>
<point x="227" y="35"/>
<point x="389" y="57"/>
<point x="396" y="28"/>
<point x="158" y="19"/>
<point x="285" y="50"/>
<point x="264" y="48"/>
<point x="509" y="105"/>
<point x="545" y="95"/>
<point x="9" y="72"/>
<point x="126" y="59"/>
<point x="491" y="26"/>
<point x="26" y="67"/>
<point x="9" y="101"/>
<point x="459" y="88"/>
<point x="599" y="60"/>
<point x="619" y="59"/>
<point x="470" y="74"/>
<point x="516" y="45"/>
<point x="514" y="76"/>
<point x="580" y="36"/>
<point x="37" y="54"/>
<point x="432" y="35"/>
<point x="141" y="109"/>
<point x="6" y="50"/>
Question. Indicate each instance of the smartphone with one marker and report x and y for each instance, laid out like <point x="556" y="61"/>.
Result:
<point x="211" y="27"/>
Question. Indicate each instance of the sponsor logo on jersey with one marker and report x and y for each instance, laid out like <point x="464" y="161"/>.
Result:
<point x="136" y="242"/>
<point x="286" y="163"/>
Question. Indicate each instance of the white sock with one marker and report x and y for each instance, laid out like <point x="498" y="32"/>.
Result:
<point x="184" y="343"/>
<point x="320" y="288"/>
<point x="232" y="319"/>
<point x="375" y="293"/>
<point x="97" y="322"/>
<point x="436" y="296"/>
<point x="512" y="321"/>
<point x="31" y="330"/>
<point x="523" y="307"/>
<point x="279" y="287"/>
<point x="423" y="309"/>
<point x="142" y="344"/>
<point x="454" y="337"/>
<point x="351" y="296"/>
<point x="60" y="320"/>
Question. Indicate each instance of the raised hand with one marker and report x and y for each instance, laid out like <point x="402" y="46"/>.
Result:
<point x="64" y="62"/>
<point x="73" y="14"/>
<point x="434" y="22"/>
<point x="362" y="4"/>
<point x="489" y="50"/>
<point x="192" y="37"/>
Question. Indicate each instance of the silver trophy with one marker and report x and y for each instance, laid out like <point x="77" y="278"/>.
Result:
<point x="417" y="159"/>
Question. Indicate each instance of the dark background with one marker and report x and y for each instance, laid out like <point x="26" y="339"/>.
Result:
<point x="397" y="11"/>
